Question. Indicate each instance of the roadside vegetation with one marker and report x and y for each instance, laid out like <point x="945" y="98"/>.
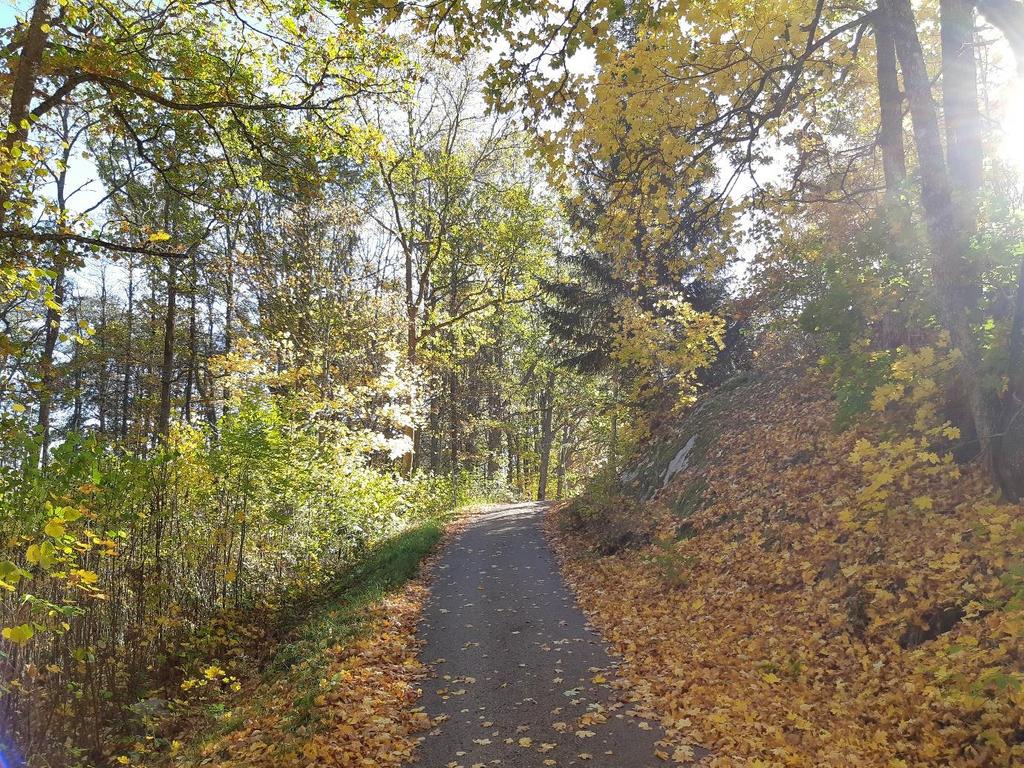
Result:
<point x="336" y="684"/>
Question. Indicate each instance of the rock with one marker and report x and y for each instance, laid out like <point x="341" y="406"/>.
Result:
<point x="679" y="461"/>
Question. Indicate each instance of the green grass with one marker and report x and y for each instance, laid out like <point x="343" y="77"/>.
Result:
<point x="334" y="614"/>
<point x="339" y="614"/>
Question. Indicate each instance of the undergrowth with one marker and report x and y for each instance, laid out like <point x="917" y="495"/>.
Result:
<point x="311" y="633"/>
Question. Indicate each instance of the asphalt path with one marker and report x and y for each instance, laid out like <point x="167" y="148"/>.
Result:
<point x="519" y="678"/>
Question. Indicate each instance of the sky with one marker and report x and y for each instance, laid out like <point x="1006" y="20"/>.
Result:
<point x="8" y="8"/>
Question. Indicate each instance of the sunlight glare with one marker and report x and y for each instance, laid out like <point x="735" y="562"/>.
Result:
<point x="1011" y="146"/>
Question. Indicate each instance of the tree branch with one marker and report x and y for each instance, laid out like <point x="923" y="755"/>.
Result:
<point x="1008" y="17"/>
<point x="70" y="237"/>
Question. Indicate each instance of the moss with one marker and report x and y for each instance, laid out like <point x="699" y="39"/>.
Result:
<point x="702" y="423"/>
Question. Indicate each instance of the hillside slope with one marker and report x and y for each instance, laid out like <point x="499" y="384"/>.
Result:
<point x="773" y="615"/>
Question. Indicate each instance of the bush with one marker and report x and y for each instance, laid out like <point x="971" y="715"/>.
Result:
<point x="127" y="576"/>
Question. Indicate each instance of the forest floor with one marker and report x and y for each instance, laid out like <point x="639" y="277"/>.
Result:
<point x="771" y="616"/>
<point x="519" y="677"/>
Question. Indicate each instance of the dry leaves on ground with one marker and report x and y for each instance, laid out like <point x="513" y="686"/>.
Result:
<point x="785" y="628"/>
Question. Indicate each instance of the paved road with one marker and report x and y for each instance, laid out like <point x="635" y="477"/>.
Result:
<point x="519" y="678"/>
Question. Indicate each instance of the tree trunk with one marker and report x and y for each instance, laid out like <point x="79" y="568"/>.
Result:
<point x="494" y="408"/>
<point x="453" y="379"/>
<point x="229" y="320"/>
<point x="78" y="410"/>
<point x="960" y="100"/>
<point x="47" y="372"/>
<point x="493" y="432"/>
<point x="167" y="363"/>
<point x="23" y="89"/>
<point x="890" y="101"/>
<point x="129" y="328"/>
<point x="453" y="415"/>
<point x="547" y="407"/>
<point x="27" y="72"/>
<point x="101" y="390"/>
<point x="613" y="446"/>
<point x="564" y="456"/>
<point x="1010" y="445"/>
<point x="963" y="129"/>
<point x="193" y="341"/>
<point x="952" y="271"/>
<point x="48" y="379"/>
<point x="411" y="343"/>
<point x="510" y="469"/>
<point x="962" y="116"/>
<point x="240" y="563"/>
<point x="206" y="382"/>
<point x="409" y="240"/>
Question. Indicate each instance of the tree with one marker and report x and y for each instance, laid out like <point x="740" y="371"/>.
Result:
<point x="232" y="80"/>
<point x="688" y="93"/>
<point x="468" y="233"/>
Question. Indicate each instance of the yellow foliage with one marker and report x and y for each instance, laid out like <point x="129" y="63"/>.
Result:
<point x="649" y="343"/>
<point x="911" y="400"/>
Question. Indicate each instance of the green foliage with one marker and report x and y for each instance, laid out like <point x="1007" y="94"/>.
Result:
<point x="673" y="566"/>
<point x="246" y="516"/>
<point x="857" y="376"/>
<point x="602" y="496"/>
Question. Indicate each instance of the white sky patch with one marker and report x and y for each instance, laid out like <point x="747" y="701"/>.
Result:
<point x="10" y="9"/>
<point x="1011" y="146"/>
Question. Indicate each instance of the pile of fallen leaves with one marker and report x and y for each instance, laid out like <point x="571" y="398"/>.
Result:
<point x="363" y="714"/>
<point x="778" y="625"/>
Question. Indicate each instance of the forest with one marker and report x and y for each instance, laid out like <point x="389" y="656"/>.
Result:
<point x="293" y="295"/>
